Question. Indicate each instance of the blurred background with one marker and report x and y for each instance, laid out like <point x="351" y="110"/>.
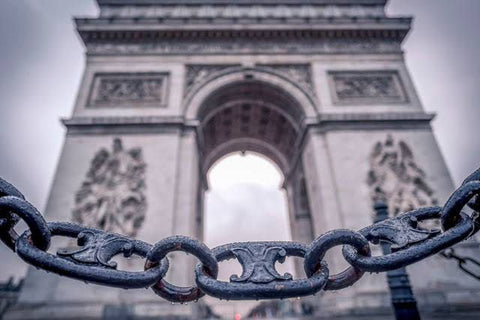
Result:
<point x="41" y="64"/>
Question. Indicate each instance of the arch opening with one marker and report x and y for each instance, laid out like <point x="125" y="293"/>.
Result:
<point x="245" y="202"/>
<point x="233" y="210"/>
<point x="248" y="198"/>
<point x="250" y="115"/>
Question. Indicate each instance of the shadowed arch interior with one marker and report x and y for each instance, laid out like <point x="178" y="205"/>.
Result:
<point x="250" y="115"/>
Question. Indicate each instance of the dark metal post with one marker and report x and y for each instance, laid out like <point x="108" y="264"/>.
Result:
<point x="403" y="300"/>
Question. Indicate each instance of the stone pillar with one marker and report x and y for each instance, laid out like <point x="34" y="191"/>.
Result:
<point x="186" y="212"/>
<point x="299" y="212"/>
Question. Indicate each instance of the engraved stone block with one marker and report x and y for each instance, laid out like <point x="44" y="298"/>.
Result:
<point x="129" y="90"/>
<point x="367" y="87"/>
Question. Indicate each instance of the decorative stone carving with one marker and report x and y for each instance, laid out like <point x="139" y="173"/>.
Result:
<point x="129" y="89"/>
<point x="112" y="195"/>
<point x="367" y="87"/>
<point x="396" y="179"/>
<point x="198" y="73"/>
<point x="237" y="12"/>
<point x="299" y="73"/>
<point x="245" y="45"/>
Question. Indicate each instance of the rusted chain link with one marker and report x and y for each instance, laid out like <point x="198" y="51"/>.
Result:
<point x="91" y="261"/>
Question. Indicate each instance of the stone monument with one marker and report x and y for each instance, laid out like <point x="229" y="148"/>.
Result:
<point x="320" y="87"/>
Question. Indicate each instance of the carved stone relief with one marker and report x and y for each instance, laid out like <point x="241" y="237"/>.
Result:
<point x="198" y="73"/>
<point x="299" y="73"/>
<point x="112" y="196"/>
<point x="246" y="45"/>
<point x="238" y="12"/>
<point x="129" y="89"/>
<point x="396" y="179"/>
<point x="367" y="87"/>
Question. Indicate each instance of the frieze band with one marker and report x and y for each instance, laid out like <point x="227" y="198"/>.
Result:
<point x="129" y="90"/>
<point x="367" y="87"/>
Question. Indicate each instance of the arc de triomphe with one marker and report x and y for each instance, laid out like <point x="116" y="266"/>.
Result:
<point x="320" y="87"/>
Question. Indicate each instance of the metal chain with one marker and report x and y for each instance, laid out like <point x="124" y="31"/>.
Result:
<point x="91" y="261"/>
<point x="463" y="262"/>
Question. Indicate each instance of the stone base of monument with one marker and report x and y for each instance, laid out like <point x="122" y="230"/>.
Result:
<point x="96" y="302"/>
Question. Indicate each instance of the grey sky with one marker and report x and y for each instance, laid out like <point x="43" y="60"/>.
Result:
<point x="42" y="62"/>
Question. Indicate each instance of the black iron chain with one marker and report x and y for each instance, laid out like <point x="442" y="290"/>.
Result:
<point x="466" y="264"/>
<point x="91" y="261"/>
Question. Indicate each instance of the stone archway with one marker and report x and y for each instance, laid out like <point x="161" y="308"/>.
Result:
<point x="249" y="115"/>
<point x="260" y="112"/>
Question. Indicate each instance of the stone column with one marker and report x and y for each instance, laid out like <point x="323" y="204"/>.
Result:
<point x="186" y="211"/>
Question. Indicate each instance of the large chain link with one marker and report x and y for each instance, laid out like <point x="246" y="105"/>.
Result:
<point x="91" y="261"/>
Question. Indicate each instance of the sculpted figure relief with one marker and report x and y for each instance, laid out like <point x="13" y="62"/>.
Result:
<point x="119" y="90"/>
<point x="112" y="195"/>
<point x="365" y="86"/>
<point x="396" y="179"/>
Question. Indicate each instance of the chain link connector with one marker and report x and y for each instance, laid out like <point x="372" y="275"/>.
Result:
<point x="463" y="262"/>
<point x="159" y="252"/>
<point x="322" y="244"/>
<point x="8" y="220"/>
<point x="410" y="244"/>
<point x="259" y="278"/>
<point x="457" y="201"/>
<point x="91" y="261"/>
<point x="34" y="220"/>
<point x="475" y="202"/>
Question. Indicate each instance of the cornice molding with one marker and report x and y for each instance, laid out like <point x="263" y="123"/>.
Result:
<point x="324" y="119"/>
<point x="230" y="24"/>
<point x="238" y="35"/>
<point x="239" y="2"/>
<point x="232" y="11"/>
<point x="375" y="116"/>
<point x="86" y="121"/>
<point x="127" y="125"/>
<point x="373" y="121"/>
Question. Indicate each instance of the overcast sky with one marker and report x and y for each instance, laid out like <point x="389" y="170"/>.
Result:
<point x="42" y="62"/>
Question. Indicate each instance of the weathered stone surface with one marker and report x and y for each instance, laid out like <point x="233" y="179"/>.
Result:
<point x="199" y="81"/>
<point x="368" y="87"/>
<point x="395" y="178"/>
<point x="112" y="196"/>
<point x="129" y="90"/>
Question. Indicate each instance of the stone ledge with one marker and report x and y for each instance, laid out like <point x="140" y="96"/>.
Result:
<point x="384" y="116"/>
<point x="178" y="121"/>
<point x="239" y="2"/>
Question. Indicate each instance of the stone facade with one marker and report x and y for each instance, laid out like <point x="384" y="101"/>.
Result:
<point x="320" y="88"/>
